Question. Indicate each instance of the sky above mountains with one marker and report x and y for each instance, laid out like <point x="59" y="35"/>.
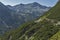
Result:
<point x="42" y="2"/>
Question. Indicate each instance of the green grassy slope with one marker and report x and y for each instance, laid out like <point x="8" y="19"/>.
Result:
<point x="56" y="36"/>
<point x="38" y="30"/>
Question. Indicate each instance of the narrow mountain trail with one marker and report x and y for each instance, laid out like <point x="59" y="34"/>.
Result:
<point x="58" y="23"/>
<point x="42" y="18"/>
<point x="10" y="38"/>
<point x="53" y="21"/>
<point x="22" y="36"/>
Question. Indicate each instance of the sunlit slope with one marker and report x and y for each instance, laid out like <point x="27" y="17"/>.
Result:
<point x="42" y="29"/>
<point x="56" y="36"/>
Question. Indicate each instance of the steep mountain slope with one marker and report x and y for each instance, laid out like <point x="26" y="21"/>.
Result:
<point x="8" y="19"/>
<point x="4" y="17"/>
<point x="42" y="29"/>
<point x="12" y="17"/>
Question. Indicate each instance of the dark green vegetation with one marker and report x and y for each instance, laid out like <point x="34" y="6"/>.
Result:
<point x="42" y="29"/>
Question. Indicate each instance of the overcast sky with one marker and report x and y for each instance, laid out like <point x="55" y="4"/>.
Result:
<point x="43" y="2"/>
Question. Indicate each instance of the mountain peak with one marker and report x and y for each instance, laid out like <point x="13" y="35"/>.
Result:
<point x="35" y="3"/>
<point x="1" y="4"/>
<point x="9" y="5"/>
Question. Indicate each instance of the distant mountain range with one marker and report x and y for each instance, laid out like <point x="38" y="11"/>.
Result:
<point x="47" y="27"/>
<point x="12" y="17"/>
